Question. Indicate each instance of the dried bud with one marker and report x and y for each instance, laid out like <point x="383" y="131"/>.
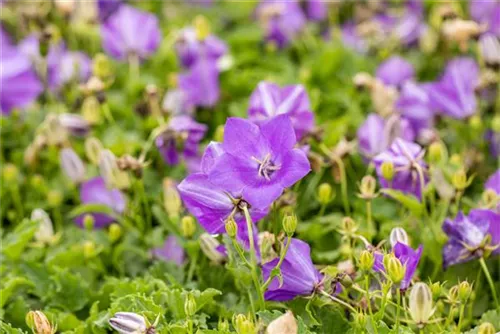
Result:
<point x="285" y="324"/>
<point x="211" y="247"/>
<point x="435" y="152"/>
<point x="459" y="180"/>
<point x="201" y="27"/>
<point x="398" y="234"/>
<point x="486" y="328"/>
<point x="101" y="66"/>
<point x="45" y="232"/>
<point x="190" y="305"/>
<point x="39" y="323"/>
<point x="188" y="226"/>
<point x="114" y="232"/>
<point x="420" y="308"/>
<point x="395" y="269"/>
<point x="366" y="260"/>
<point x="387" y="169"/>
<point x="93" y="148"/>
<point x="367" y="187"/>
<point x="128" y="323"/>
<point x="325" y="192"/>
<point x="72" y="165"/>
<point x="464" y="291"/>
<point x="231" y="227"/>
<point x="171" y="199"/>
<point x="290" y="224"/>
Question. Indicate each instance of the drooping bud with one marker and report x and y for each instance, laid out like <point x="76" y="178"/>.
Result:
<point x="459" y="180"/>
<point x="101" y="66"/>
<point x="284" y="324"/>
<point x="202" y="27"/>
<point x="211" y="248"/>
<point x="366" y="260"/>
<point x="45" y="232"/>
<point x="231" y="227"/>
<point x="72" y="165"/>
<point x="395" y="269"/>
<point x="325" y="192"/>
<point x="93" y="148"/>
<point x="39" y="323"/>
<point x="464" y="291"/>
<point x="486" y="328"/>
<point x="190" y="305"/>
<point x="290" y="224"/>
<point x="128" y="323"/>
<point x="171" y="199"/>
<point x="387" y="169"/>
<point x="398" y="234"/>
<point x="420" y="307"/>
<point x="114" y="232"/>
<point x="367" y="187"/>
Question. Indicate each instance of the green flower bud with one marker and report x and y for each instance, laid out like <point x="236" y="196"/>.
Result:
<point x="39" y="323"/>
<point x="325" y="193"/>
<point x="88" y="222"/>
<point x="495" y="124"/>
<point x="464" y="291"/>
<point x="453" y="294"/>
<point x="436" y="152"/>
<point x="243" y="325"/>
<point x="188" y="226"/>
<point x="38" y="183"/>
<point x="290" y="224"/>
<point x="367" y="187"/>
<point x="114" y="232"/>
<point x="346" y="281"/>
<point x="10" y="173"/>
<point x="475" y="123"/>
<point x="45" y="232"/>
<point x="395" y="269"/>
<point x="231" y="227"/>
<point x="490" y="198"/>
<point x="459" y="180"/>
<point x="89" y="250"/>
<point x="360" y="319"/>
<point x="349" y="226"/>
<point x="387" y="169"/>
<point x="101" y="66"/>
<point x="54" y="198"/>
<point x="190" y="305"/>
<point x="91" y="110"/>
<point x="366" y="260"/>
<point x="420" y="307"/>
<point x="223" y="325"/>
<point x="219" y="133"/>
<point x="171" y="199"/>
<point x="93" y="148"/>
<point x="436" y="290"/>
<point x="201" y="27"/>
<point x="486" y="328"/>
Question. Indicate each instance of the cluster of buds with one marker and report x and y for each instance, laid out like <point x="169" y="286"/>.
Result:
<point x="421" y="304"/>
<point x="383" y="97"/>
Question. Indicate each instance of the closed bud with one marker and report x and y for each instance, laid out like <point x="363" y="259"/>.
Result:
<point x="476" y="123"/>
<point x="395" y="269"/>
<point x="112" y="175"/>
<point x="202" y="27"/>
<point x="231" y="227"/>
<point x="486" y="328"/>
<point x="420" y="307"/>
<point x="243" y="325"/>
<point x="366" y="260"/>
<point x="93" y="148"/>
<point x="128" y="323"/>
<point x="223" y="325"/>
<point x="188" y="226"/>
<point x="453" y="294"/>
<point x="436" y="290"/>
<point x="89" y="250"/>
<point x="459" y="180"/>
<point x="346" y="281"/>
<point x="360" y="319"/>
<point x="114" y="232"/>
<point x="387" y="169"/>
<point x="367" y="187"/>
<point x="45" y="232"/>
<point x="39" y="323"/>
<point x="219" y="133"/>
<point x="266" y="243"/>
<point x="284" y="324"/>
<point x="171" y="199"/>
<point x="190" y="305"/>
<point x="212" y="248"/>
<point x="72" y="165"/>
<point x="436" y="152"/>
<point x="464" y="291"/>
<point x="398" y="234"/>
<point x="54" y="198"/>
<point x="88" y="222"/>
<point x="91" y="110"/>
<point x="38" y="183"/>
<point x="349" y="226"/>
<point x="290" y="224"/>
<point x="10" y="173"/>
<point x="101" y="66"/>
<point x="325" y="193"/>
<point x="490" y="198"/>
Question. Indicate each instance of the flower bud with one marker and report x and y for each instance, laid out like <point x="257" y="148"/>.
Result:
<point x="10" y="173"/>
<point x="453" y="294"/>
<point x="91" y="110"/>
<point x="346" y="281"/>
<point x="54" y="198"/>
<point x="349" y="226"/>
<point x="367" y="187"/>
<point x="464" y="291"/>
<point x="39" y="323"/>
<point x="188" y="226"/>
<point x="202" y="27"/>
<point x="436" y="290"/>
<point x="74" y="124"/>
<point x="128" y="323"/>
<point x="366" y="260"/>
<point x="495" y="124"/>
<point x="395" y="270"/>
<point x="45" y="232"/>
<point x="114" y="232"/>
<point x="190" y="305"/>
<point x="325" y="192"/>
<point x="284" y="324"/>
<point x="476" y="123"/>
<point x="101" y="66"/>
<point x="219" y="133"/>
<point x="459" y="180"/>
<point x="266" y="243"/>
<point x="420" y="307"/>
<point x="89" y="250"/>
<point x="72" y="165"/>
<point x="243" y="325"/>
<point x="88" y="222"/>
<point x="231" y="227"/>
<point x="171" y="199"/>
<point x="223" y="325"/>
<point x="490" y="198"/>
<point x="211" y="247"/>
<point x="93" y="148"/>
<point x="360" y="319"/>
<point x="290" y="224"/>
<point x="387" y="169"/>
<point x="436" y="152"/>
<point x="398" y="234"/>
<point x="486" y="328"/>
<point x="489" y="45"/>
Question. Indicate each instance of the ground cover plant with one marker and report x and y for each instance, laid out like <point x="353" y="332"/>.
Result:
<point x="250" y="167"/>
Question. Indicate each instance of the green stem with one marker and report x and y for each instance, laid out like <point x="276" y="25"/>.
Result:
<point x="398" y="296"/>
<point x="490" y="281"/>
<point x="368" y="300"/>
<point x="192" y="267"/>
<point x="278" y="266"/>
<point x="369" y="217"/>
<point x="343" y="185"/>
<point x="340" y="301"/>
<point x="16" y="198"/>
<point x="241" y="253"/>
<point x="462" y="309"/>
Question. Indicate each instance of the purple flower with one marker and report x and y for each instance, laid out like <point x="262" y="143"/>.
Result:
<point x="395" y="71"/>
<point x="73" y="66"/>
<point x="130" y="31"/>
<point x="201" y="83"/>
<point x="94" y="191"/>
<point x="407" y="158"/>
<point x="467" y="236"/>
<point x="316" y="10"/>
<point x="300" y="277"/>
<point x="282" y="20"/>
<point x="493" y="139"/>
<point x="181" y="137"/>
<point x="408" y="257"/>
<point x="411" y="25"/>
<point x="170" y="251"/>
<point x="177" y="102"/>
<point x="352" y="39"/>
<point x="189" y="48"/>
<point x="454" y="94"/>
<point x="259" y="161"/>
<point x="493" y="182"/>
<point x="486" y="12"/>
<point x="20" y="84"/>
<point x="269" y="100"/>
<point x="415" y="106"/>
<point x="106" y="8"/>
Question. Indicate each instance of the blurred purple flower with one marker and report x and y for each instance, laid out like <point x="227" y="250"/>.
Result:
<point x="106" y="8"/>
<point x="454" y="94"/>
<point x="415" y="106"/>
<point x="407" y="158"/>
<point x="190" y="49"/>
<point x="269" y="100"/>
<point x="467" y="236"/>
<point x="73" y="66"/>
<point x="177" y="102"/>
<point x="201" y="83"/>
<point x="395" y="71"/>
<point x="493" y="139"/>
<point x="300" y="277"/>
<point x="259" y="161"/>
<point x="282" y="20"/>
<point x="408" y="257"/>
<point x="94" y="191"/>
<point x="171" y="250"/>
<point x="316" y="10"/>
<point x="493" y="182"/>
<point x="486" y="12"/>
<point x="181" y="137"/>
<point x="130" y="31"/>
<point x="352" y="39"/>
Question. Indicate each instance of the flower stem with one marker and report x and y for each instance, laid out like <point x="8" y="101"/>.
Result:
<point x="398" y="296"/>
<point x="368" y="300"/>
<point x="490" y="281"/>
<point x="340" y="301"/>
<point x="343" y="184"/>
<point x="460" y="317"/>
<point x="282" y="257"/>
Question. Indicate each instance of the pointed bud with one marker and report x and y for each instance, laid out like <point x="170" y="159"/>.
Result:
<point x="243" y="325"/>
<point x="114" y="232"/>
<point x="231" y="227"/>
<point x="395" y="269"/>
<point x="223" y="326"/>
<point x="171" y="199"/>
<point x="188" y="226"/>
<point x="39" y="323"/>
<point x="290" y="224"/>
<point x="464" y="291"/>
<point x="211" y="247"/>
<point x="420" y="307"/>
<point x="398" y="234"/>
<point x="486" y="328"/>
<point x="101" y="66"/>
<point x="72" y="165"/>
<point x="366" y="260"/>
<point x="190" y="305"/>
<point x="284" y="324"/>
<point x="325" y="192"/>
<point x="45" y="232"/>
<point x="436" y="152"/>
<point x="459" y="180"/>
<point x="88" y="222"/>
<point x="349" y="226"/>
<point x="453" y="294"/>
<point x="128" y="323"/>
<point x="367" y="187"/>
<point x="93" y="148"/>
<point x="387" y="169"/>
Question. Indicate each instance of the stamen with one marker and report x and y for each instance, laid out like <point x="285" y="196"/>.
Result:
<point x="266" y="166"/>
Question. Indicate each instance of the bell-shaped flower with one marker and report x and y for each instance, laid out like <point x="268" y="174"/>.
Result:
<point x="171" y="250"/>
<point x="190" y="47"/>
<point x="395" y="71"/>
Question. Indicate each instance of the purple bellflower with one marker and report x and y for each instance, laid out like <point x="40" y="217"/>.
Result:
<point x="190" y="48"/>
<point x="316" y="10"/>
<point x="259" y="161"/>
<point x="106" y="8"/>
<point x="414" y="104"/>
<point x="493" y="139"/>
<point x="300" y="277"/>
<point x="395" y="71"/>
<point x="493" y="182"/>
<point x="130" y="32"/>
<point x="486" y="12"/>
<point x="171" y="250"/>
<point x="73" y="66"/>
<point x="408" y="257"/>
<point x="200" y="83"/>
<point x="470" y="236"/>
<point x="454" y="94"/>
<point x="352" y="39"/>
<point x="269" y="100"/>
<point x="181" y="137"/>
<point x="407" y="158"/>
<point x="94" y="191"/>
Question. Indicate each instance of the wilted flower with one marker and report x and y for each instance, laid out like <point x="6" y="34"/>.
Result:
<point x="284" y="324"/>
<point x="300" y="277"/>
<point x="420" y="307"/>
<point x="395" y="71"/>
<point x="170" y="251"/>
<point x="259" y="161"/>
<point x="72" y="165"/>
<point x="94" y="191"/>
<point x="128" y="323"/>
<point x="269" y="100"/>
<point x="471" y="237"/>
<point x="45" y="232"/>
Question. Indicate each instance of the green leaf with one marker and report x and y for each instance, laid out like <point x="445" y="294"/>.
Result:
<point x="68" y="291"/>
<point x="10" y="287"/>
<point x="16" y="241"/>
<point x="408" y="201"/>
<point x="175" y="299"/>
